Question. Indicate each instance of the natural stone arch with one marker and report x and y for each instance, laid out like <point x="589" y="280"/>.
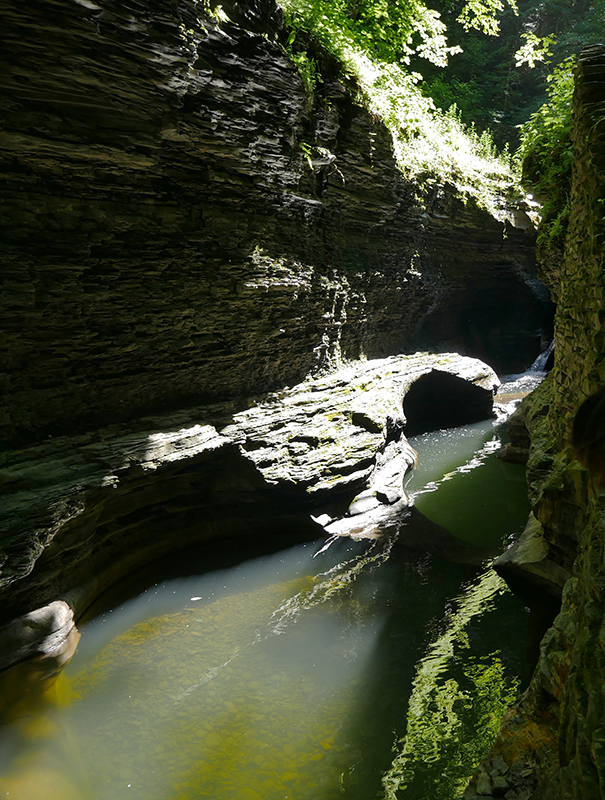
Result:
<point x="439" y="399"/>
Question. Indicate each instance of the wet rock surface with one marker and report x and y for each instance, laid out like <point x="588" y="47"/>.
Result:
<point x="47" y="632"/>
<point x="318" y="434"/>
<point x="512" y="454"/>
<point x="89" y="509"/>
<point x="556" y="730"/>
<point x="496" y="778"/>
<point x="530" y="570"/>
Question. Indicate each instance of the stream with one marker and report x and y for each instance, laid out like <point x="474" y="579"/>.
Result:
<point x="354" y="671"/>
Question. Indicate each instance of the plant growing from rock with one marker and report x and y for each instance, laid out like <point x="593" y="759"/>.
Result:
<point x="374" y="41"/>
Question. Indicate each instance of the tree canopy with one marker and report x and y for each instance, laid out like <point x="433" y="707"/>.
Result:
<point x="381" y="43"/>
<point x="453" y="79"/>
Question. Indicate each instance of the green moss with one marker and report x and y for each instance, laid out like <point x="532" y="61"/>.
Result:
<point x="442" y="707"/>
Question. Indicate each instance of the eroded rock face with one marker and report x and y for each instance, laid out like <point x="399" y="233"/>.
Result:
<point x="427" y="412"/>
<point x="166" y="243"/>
<point x="87" y="510"/>
<point x="556" y="731"/>
<point x="530" y="570"/>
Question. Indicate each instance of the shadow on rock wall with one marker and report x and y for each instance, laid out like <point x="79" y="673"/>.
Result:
<point x="166" y="241"/>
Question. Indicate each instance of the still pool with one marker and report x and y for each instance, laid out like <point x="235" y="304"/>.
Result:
<point x="357" y="671"/>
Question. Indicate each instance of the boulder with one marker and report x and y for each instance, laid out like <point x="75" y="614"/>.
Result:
<point x="49" y="633"/>
<point x="529" y="568"/>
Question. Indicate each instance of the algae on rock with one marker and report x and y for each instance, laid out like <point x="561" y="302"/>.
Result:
<point x="557" y="728"/>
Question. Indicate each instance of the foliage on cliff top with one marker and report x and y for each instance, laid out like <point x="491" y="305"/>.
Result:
<point x="374" y="41"/>
<point x="547" y="154"/>
<point x="499" y="81"/>
<point x="520" y="86"/>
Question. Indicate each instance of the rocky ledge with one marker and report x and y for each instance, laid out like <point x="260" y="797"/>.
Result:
<point x="327" y="455"/>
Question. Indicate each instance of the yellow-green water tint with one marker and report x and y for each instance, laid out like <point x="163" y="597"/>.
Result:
<point x="357" y="674"/>
<point x="199" y="697"/>
<point x="39" y="749"/>
<point x="208" y="702"/>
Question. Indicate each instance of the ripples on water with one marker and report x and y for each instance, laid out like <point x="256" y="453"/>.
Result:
<point x="359" y="673"/>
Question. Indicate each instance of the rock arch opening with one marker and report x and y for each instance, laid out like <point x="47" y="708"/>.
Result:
<point x="441" y="400"/>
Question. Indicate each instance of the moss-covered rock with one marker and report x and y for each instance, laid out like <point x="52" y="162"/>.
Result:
<point x="557" y="728"/>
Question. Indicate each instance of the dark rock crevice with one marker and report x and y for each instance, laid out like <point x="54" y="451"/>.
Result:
<point x="441" y="400"/>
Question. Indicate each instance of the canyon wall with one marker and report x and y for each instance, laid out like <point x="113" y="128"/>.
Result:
<point x="557" y="732"/>
<point x="166" y="242"/>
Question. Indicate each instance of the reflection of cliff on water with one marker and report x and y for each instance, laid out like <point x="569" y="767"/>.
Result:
<point x="290" y="675"/>
<point x="456" y="705"/>
<point x="460" y="485"/>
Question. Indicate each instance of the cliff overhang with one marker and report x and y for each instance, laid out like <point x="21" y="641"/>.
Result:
<point x="327" y="456"/>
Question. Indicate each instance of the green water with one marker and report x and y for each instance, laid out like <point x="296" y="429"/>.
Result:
<point x="459" y="484"/>
<point x="359" y="673"/>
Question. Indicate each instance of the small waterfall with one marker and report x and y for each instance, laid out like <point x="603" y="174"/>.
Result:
<point x="515" y="386"/>
<point x="539" y="364"/>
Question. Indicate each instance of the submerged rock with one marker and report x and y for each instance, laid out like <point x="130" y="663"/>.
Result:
<point x="484" y="784"/>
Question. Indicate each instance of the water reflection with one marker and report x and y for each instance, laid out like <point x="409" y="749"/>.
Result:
<point x="462" y="486"/>
<point x="311" y="674"/>
<point x="240" y="696"/>
<point x="40" y="757"/>
<point x="456" y="705"/>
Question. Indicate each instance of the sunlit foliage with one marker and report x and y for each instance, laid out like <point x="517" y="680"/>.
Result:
<point x="483" y="15"/>
<point x="497" y="82"/>
<point x="546" y="150"/>
<point x="386" y="30"/>
<point x="374" y="42"/>
<point x="533" y="50"/>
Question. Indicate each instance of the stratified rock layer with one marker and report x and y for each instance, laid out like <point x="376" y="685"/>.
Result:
<point x="557" y="732"/>
<point x="90" y="509"/>
<point x="165" y="241"/>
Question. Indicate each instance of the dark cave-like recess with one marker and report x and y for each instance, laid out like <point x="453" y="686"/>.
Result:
<point x="441" y="400"/>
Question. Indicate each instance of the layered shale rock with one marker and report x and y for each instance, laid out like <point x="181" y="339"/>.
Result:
<point x="84" y="512"/>
<point x="556" y="733"/>
<point x="166" y="241"/>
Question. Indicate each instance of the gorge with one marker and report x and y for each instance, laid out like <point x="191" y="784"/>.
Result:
<point x="208" y="279"/>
